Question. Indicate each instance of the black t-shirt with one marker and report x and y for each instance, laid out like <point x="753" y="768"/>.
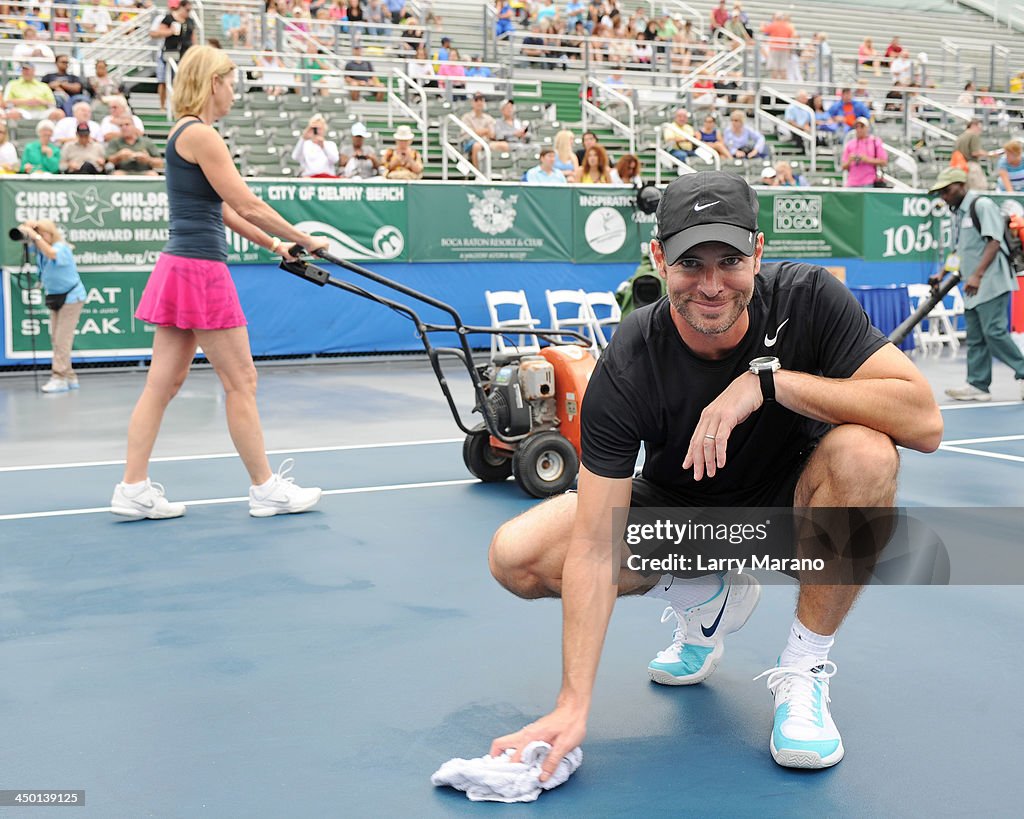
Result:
<point x="179" y="42"/>
<point x="64" y="78"/>
<point x="649" y="387"/>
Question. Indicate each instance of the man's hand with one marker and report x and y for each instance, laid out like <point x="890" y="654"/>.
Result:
<point x="563" y="729"/>
<point x="973" y="283"/>
<point x="710" y="440"/>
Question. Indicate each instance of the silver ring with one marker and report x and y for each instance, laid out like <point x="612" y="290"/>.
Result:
<point x="710" y="437"/>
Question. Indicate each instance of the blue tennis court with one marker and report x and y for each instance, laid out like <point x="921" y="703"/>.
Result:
<point x="325" y="664"/>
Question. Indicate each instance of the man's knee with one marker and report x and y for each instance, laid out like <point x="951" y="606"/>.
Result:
<point x="509" y="566"/>
<point x="859" y="464"/>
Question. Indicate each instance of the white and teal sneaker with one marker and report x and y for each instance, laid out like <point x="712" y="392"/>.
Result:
<point x="804" y="735"/>
<point x="699" y="639"/>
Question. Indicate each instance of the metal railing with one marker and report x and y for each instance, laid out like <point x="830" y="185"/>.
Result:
<point x="685" y="9"/>
<point x="952" y="57"/>
<point x="400" y="86"/>
<point x="663" y="158"/>
<point x="607" y="92"/>
<point x="453" y="153"/>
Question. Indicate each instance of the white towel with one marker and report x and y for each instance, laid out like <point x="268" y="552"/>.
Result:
<point x="495" y="779"/>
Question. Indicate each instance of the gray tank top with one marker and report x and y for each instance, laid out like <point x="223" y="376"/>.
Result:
<point x="196" y="223"/>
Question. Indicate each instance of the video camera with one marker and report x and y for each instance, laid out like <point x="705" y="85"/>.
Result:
<point x="16" y="235"/>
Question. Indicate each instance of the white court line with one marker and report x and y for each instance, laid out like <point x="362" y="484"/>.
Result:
<point x="988" y="405"/>
<point x="999" y="456"/>
<point x="994" y="439"/>
<point x="355" y="490"/>
<point x="215" y="455"/>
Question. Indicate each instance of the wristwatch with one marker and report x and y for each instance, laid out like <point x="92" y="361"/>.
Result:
<point x="765" y="368"/>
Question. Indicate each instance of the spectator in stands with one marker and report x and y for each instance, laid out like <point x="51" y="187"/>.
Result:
<point x="797" y="117"/>
<point x="826" y="125"/>
<point x="316" y="154"/>
<point x="719" y="16"/>
<point x="377" y="15"/>
<point x="41" y="156"/>
<point x="476" y="68"/>
<point x="742" y="141"/>
<point x="396" y="8"/>
<point x="503" y="23"/>
<point x="769" y="177"/>
<point x="95" y="20"/>
<point x="643" y="53"/>
<point x="177" y="31"/>
<point x="118" y="107"/>
<point x="901" y="68"/>
<point x="27" y="97"/>
<point x="787" y="178"/>
<point x="679" y="136"/>
<point x="565" y="159"/>
<point x="595" y="168"/>
<point x="683" y="42"/>
<point x="83" y="154"/>
<point x="738" y="28"/>
<point x="868" y="57"/>
<point x="545" y="173"/>
<point x="711" y="136"/>
<point x="67" y="128"/>
<point x="966" y="97"/>
<point x="101" y="84"/>
<point x="360" y="159"/>
<point x="444" y="52"/>
<point x="231" y="23"/>
<point x="627" y="171"/>
<point x="510" y="133"/>
<point x="273" y="75"/>
<point x="846" y="110"/>
<point x="781" y="34"/>
<point x="354" y="14"/>
<point x="67" y="88"/>
<point x="1011" y="167"/>
<point x="359" y="75"/>
<point x="9" y="162"/>
<point x="481" y="123"/>
<point x="131" y="153"/>
<point x="864" y="156"/>
<point x="403" y="161"/>
<point x="967" y="151"/>
<point x="412" y="37"/>
<point x="421" y="69"/>
<point x="31" y="50"/>
<point x="452" y="72"/>
<point x="589" y="138"/>
<point x="891" y="51"/>
<point x="533" y="49"/>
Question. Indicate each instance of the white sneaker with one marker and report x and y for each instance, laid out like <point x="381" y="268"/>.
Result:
<point x="283" y="497"/>
<point x="803" y="734"/>
<point x="72" y="383"/>
<point x="149" y="503"/>
<point x="969" y="393"/>
<point x="55" y="385"/>
<point x="699" y="639"/>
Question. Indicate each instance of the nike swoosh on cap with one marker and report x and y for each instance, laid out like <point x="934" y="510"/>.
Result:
<point x="707" y="632"/>
<point x="770" y="341"/>
<point x="699" y="207"/>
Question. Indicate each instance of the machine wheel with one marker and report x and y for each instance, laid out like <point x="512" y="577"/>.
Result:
<point x="545" y="464"/>
<point x="482" y="460"/>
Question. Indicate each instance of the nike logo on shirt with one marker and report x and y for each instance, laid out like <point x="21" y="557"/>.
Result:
<point x="699" y="207"/>
<point x="707" y="632"/>
<point x="770" y="341"/>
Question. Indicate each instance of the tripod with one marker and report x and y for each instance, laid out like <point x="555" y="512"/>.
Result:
<point x="24" y="280"/>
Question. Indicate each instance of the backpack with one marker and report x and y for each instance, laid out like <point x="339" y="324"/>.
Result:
<point x="1012" y="240"/>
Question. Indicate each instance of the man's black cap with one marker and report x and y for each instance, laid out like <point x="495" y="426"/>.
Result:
<point x="709" y="206"/>
<point x="82" y="128"/>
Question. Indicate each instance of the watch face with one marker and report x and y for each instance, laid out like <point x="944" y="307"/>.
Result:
<point x="765" y="362"/>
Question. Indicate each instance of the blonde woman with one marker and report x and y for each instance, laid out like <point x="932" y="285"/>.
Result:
<point x="565" y="156"/>
<point x="191" y="298"/>
<point x="65" y="297"/>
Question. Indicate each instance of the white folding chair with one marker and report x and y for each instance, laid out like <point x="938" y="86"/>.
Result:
<point x="502" y="303"/>
<point x="607" y="314"/>
<point x="578" y="317"/>
<point x="936" y="328"/>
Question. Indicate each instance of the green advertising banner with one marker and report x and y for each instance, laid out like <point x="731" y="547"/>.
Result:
<point x="121" y="224"/>
<point x="607" y="226"/>
<point x="108" y="325"/>
<point x="500" y="223"/>
<point x="797" y="225"/>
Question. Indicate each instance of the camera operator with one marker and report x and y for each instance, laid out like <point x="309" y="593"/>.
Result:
<point x="360" y="160"/>
<point x="65" y="297"/>
<point x="317" y="156"/>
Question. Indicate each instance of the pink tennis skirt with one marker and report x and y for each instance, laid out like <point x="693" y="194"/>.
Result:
<point x="191" y="294"/>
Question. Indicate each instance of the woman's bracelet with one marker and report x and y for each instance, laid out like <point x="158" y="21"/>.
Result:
<point x="275" y="245"/>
